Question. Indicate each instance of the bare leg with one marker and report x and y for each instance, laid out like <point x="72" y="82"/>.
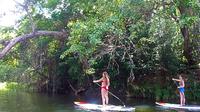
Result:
<point x="181" y="103"/>
<point x="103" y="97"/>
<point x="183" y="98"/>
<point x="106" y="96"/>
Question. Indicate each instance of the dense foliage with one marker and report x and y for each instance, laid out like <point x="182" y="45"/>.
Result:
<point x="139" y="42"/>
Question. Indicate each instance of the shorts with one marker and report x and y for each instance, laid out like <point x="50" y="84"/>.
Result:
<point x="181" y="90"/>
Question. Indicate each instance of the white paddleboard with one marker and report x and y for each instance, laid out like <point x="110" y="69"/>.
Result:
<point x="89" y="106"/>
<point x="178" y="106"/>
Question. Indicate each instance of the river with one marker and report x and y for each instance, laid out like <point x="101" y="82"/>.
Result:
<point x="35" y="102"/>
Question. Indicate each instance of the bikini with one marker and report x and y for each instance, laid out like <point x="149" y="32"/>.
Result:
<point x="104" y="87"/>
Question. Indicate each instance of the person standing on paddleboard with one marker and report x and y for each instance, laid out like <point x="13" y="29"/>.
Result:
<point x="105" y="83"/>
<point x="181" y="89"/>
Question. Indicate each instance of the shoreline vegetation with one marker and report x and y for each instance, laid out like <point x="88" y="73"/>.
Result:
<point x="13" y="86"/>
<point x="155" y="89"/>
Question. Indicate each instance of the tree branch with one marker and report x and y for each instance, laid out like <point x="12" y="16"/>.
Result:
<point x="26" y="6"/>
<point x="4" y="42"/>
<point x="14" y="41"/>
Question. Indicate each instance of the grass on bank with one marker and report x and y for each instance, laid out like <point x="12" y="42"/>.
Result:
<point x="11" y="86"/>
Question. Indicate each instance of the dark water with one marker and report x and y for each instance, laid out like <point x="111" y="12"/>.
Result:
<point x="34" y="102"/>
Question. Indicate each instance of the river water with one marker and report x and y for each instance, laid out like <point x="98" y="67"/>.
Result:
<point x="35" y="102"/>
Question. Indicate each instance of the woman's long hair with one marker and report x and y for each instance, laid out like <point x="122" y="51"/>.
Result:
<point x="106" y="75"/>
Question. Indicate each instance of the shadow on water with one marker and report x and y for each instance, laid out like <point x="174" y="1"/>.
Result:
<point x="33" y="102"/>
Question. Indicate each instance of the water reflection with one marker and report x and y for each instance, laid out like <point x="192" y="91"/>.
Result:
<point x="32" y="102"/>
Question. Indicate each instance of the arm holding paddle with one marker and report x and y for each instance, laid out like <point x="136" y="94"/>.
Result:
<point x="100" y="80"/>
<point x="175" y="82"/>
<point x="178" y="80"/>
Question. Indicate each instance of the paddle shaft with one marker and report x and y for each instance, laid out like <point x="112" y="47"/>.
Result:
<point x="176" y="86"/>
<point x="113" y="96"/>
<point x="176" y="83"/>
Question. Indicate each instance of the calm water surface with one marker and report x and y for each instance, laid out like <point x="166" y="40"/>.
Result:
<point x="34" y="102"/>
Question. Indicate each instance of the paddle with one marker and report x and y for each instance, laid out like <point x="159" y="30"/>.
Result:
<point x="113" y="96"/>
<point x="175" y="83"/>
<point x="176" y="86"/>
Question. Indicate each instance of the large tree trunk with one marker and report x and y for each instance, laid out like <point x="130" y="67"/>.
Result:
<point x="186" y="46"/>
<point x="184" y="10"/>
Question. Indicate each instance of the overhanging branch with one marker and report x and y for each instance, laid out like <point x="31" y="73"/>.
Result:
<point x="14" y="41"/>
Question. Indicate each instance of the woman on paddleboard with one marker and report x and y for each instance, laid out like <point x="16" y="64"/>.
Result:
<point x="181" y="89"/>
<point x="105" y="83"/>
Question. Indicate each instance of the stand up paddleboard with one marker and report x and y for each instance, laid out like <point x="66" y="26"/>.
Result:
<point x="89" y="106"/>
<point x="178" y="106"/>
